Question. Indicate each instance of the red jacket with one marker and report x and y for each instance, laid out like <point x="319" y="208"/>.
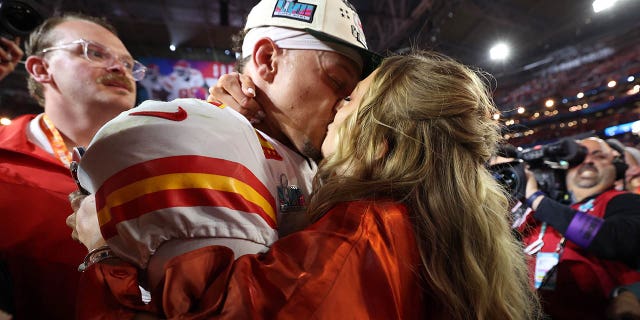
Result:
<point x="360" y="261"/>
<point x="35" y="242"/>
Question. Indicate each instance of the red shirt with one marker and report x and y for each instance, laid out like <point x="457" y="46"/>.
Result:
<point x="35" y="242"/>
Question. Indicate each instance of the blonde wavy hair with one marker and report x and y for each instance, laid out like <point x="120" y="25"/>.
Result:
<point x="421" y="136"/>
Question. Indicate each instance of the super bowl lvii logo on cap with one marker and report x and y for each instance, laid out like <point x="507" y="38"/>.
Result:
<point x="293" y="9"/>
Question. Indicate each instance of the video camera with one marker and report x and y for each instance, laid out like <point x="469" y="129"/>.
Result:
<point x="19" y="18"/>
<point x="549" y="164"/>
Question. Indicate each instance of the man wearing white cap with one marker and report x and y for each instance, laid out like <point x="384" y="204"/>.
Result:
<point x="173" y="177"/>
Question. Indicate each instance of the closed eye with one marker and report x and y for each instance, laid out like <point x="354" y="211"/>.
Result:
<point x="336" y="84"/>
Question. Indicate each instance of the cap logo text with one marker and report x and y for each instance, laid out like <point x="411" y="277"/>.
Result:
<point x="292" y="9"/>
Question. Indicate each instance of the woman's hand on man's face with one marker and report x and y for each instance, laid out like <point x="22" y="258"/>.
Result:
<point x="238" y="92"/>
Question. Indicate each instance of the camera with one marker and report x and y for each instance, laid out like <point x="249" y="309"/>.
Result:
<point x="19" y="18"/>
<point x="548" y="163"/>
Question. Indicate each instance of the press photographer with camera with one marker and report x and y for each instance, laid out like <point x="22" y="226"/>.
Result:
<point x="580" y="252"/>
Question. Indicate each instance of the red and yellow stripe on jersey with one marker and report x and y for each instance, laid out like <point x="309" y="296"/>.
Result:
<point x="268" y="149"/>
<point x="181" y="181"/>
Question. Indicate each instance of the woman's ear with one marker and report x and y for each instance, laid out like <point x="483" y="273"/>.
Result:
<point x="38" y="69"/>
<point x="265" y="58"/>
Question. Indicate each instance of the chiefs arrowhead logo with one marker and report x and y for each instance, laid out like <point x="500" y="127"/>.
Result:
<point x="173" y="116"/>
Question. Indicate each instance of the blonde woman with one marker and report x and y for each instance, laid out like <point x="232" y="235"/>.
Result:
<point x="408" y="222"/>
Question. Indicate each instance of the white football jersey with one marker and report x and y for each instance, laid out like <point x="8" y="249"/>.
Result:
<point x="188" y="169"/>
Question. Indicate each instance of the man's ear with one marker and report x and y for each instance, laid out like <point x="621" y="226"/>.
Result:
<point x="38" y="69"/>
<point x="264" y="57"/>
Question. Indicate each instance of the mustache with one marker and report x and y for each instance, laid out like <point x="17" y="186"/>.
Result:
<point x="120" y="79"/>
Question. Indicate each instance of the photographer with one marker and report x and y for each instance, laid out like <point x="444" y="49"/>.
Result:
<point x="579" y="253"/>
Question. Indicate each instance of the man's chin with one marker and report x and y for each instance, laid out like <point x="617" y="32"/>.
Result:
<point x="117" y="108"/>
<point x="586" y="183"/>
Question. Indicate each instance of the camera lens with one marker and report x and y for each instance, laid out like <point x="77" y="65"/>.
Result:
<point x="18" y="18"/>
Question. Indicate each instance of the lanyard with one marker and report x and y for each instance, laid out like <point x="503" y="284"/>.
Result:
<point x="55" y="139"/>
<point x="537" y="245"/>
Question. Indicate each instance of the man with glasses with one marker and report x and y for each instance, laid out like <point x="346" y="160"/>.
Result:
<point x="83" y="76"/>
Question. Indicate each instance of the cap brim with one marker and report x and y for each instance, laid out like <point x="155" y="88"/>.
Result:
<point x="370" y="59"/>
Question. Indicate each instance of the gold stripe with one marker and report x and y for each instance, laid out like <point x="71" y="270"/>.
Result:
<point x="264" y="142"/>
<point x="176" y="181"/>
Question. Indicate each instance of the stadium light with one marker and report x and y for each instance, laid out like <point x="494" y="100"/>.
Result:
<point x="500" y="51"/>
<point x="601" y="5"/>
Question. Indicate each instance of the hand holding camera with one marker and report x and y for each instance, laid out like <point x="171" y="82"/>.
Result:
<point x="542" y="167"/>
<point x="10" y="55"/>
<point x="17" y="19"/>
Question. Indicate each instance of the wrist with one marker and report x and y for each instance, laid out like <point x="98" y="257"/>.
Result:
<point x="97" y="244"/>
<point x="531" y="200"/>
<point x="95" y="256"/>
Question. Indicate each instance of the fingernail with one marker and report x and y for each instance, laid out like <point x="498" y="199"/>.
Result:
<point x="251" y="91"/>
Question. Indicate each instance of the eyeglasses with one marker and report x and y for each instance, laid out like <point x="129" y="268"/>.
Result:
<point x="77" y="154"/>
<point x="100" y="54"/>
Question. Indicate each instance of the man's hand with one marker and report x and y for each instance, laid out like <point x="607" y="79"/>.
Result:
<point x="532" y="184"/>
<point x="84" y="223"/>
<point x="238" y="92"/>
<point x="75" y="198"/>
<point x="531" y="188"/>
<point x="10" y="55"/>
<point x="624" y="307"/>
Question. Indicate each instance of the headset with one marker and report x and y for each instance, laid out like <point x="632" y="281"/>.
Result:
<point x="618" y="161"/>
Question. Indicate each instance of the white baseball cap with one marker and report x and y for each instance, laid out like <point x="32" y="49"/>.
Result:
<point x="328" y="20"/>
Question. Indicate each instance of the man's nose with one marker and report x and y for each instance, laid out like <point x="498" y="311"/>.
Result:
<point x="117" y="66"/>
<point x="588" y="159"/>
